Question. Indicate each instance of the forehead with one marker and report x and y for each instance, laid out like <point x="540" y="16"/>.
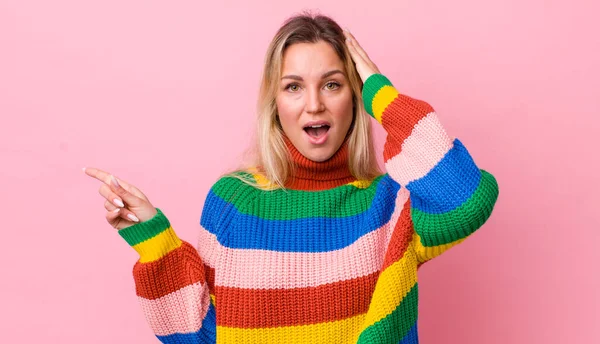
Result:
<point x="306" y="59"/>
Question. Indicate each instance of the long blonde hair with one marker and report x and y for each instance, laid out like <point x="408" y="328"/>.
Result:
<point x="271" y="158"/>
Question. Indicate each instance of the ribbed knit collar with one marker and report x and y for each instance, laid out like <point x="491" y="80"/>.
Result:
<point x="311" y="175"/>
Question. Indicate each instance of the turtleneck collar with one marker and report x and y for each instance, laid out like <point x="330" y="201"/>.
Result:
<point x="311" y="175"/>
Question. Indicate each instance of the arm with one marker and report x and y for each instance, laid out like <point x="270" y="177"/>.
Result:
<point x="171" y="283"/>
<point x="450" y="197"/>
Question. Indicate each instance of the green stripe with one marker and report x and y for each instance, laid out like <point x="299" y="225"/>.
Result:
<point x="440" y="229"/>
<point x="279" y="204"/>
<point x="143" y="231"/>
<point x="396" y="325"/>
<point x="370" y="88"/>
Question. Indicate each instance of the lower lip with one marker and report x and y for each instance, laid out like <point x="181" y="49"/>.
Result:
<point x="317" y="140"/>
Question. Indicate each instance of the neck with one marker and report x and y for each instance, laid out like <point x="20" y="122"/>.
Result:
<point x="312" y="175"/>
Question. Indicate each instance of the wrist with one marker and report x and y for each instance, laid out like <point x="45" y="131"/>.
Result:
<point x="153" y="238"/>
<point x="377" y="93"/>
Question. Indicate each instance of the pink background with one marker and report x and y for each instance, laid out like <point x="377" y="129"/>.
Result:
<point x="162" y="94"/>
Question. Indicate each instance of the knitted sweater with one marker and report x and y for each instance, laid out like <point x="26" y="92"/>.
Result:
<point x="329" y="259"/>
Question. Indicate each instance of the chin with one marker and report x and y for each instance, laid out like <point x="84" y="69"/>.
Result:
<point x="319" y="158"/>
<point x="319" y="154"/>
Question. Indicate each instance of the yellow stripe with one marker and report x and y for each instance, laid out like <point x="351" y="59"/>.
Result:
<point x="393" y="285"/>
<point x="426" y="253"/>
<point x="263" y="182"/>
<point x="341" y="331"/>
<point x="213" y="299"/>
<point x="382" y="99"/>
<point x="158" y="246"/>
<point x="361" y="184"/>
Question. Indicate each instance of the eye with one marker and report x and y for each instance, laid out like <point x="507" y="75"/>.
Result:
<point x="332" y="85"/>
<point x="293" y="87"/>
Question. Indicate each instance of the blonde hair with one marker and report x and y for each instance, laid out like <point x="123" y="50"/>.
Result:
<point x="271" y="159"/>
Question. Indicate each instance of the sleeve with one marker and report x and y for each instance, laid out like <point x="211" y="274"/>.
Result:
<point x="450" y="197"/>
<point x="171" y="283"/>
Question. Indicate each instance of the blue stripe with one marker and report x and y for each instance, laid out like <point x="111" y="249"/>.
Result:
<point x="411" y="337"/>
<point x="207" y="334"/>
<point x="448" y="185"/>
<point x="318" y="234"/>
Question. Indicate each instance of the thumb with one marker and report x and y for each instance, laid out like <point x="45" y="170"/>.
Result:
<point x="129" y="198"/>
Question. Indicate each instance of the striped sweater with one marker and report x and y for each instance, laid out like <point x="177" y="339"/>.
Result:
<point x="329" y="259"/>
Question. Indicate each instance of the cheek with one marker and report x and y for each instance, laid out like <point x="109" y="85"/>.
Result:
<point x="341" y="108"/>
<point x="289" y="110"/>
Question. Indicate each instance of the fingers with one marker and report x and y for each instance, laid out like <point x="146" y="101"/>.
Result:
<point x="114" y="204"/>
<point x="105" y="178"/>
<point x="118" y="187"/>
<point x="110" y="196"/>
<point x="357" y="48"/>
<point x="115" y="219"/>
<point x="117" y="197"/>
<point x="124" y="213"/>
<point x="98" y="174"/>
<point x="123" y="194"/>
<point x="110" y="207"/>
<point x="351" y="47"/>
<point x="102" y="176"/>
<point x="364" y="65"/>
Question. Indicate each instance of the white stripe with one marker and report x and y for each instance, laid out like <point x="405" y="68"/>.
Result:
<point x="421" y="151"/>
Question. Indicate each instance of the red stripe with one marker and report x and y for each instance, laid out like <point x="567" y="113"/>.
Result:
<point x="179" y="268"/>
<point x="210" y="278"/>
<point x="401" y="237"/>
<point x="398" y="119"/>
<point x="262" y="308"/>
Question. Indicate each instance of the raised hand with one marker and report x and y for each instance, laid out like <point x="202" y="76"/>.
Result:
<point x="364" y="65"/>
<point x="126" y="205"/>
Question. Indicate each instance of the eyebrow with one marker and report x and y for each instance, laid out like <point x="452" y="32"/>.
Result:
<point x="326" y="75"/>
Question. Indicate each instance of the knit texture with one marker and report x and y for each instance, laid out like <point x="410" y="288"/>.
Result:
<point x="329" y="259"/>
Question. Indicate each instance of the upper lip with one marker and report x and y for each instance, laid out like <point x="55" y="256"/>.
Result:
<point x="313" y="123"/>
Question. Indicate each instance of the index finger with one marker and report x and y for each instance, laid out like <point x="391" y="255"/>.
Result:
<point x="105" y="177"/>
<point x="98" y="174"/>
<point x="361" y="52"/>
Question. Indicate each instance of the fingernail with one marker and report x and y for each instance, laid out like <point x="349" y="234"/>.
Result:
<point x="133" y="218"/>
<point x="83" y="169"/>
<point x="118" y="202"/>
<point x="114" y="181"/>
<point x="116" y="210"/>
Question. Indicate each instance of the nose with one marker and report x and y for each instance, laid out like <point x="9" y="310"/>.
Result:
<point x="314" y="103"/>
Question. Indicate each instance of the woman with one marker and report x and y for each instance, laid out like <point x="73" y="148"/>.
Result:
<point x="313" y="244"/>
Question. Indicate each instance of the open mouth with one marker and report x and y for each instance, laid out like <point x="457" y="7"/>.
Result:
<point x="317" y="131"/>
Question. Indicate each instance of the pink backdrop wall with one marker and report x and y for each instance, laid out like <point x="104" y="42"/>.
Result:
<point x="162" y="94"/>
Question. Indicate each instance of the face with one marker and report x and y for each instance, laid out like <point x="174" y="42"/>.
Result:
<point x="314" y="100"/>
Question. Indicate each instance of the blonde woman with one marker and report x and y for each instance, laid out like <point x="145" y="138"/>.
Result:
<point x="312" y="243"/>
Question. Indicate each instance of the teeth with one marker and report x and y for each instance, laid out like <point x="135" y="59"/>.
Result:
<point x="317" y="126"/>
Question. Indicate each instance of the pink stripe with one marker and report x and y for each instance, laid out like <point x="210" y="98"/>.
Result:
<point x="208" y="247"/>
<point x="181" y="311"/>
<point x="265" y="269"/>
<point x="421" y="151"/>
